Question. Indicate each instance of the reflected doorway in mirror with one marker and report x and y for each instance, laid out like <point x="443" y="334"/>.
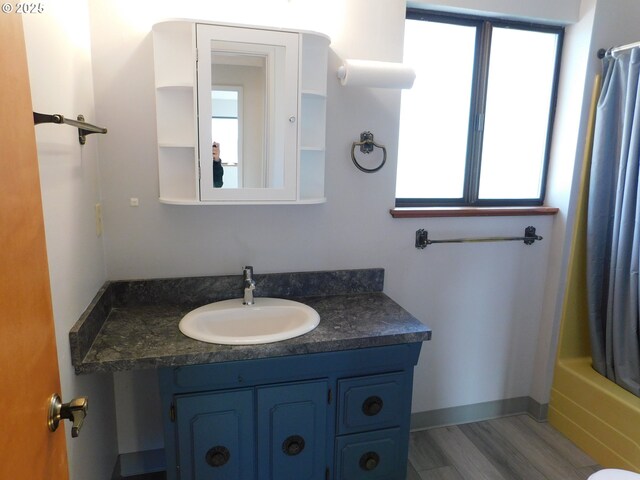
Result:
<point x="226" y="129"/>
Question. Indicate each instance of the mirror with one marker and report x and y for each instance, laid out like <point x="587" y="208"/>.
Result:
<point x="239" y="97"/>
<point x="227" y="127"/>
<point x="247" y="113"/>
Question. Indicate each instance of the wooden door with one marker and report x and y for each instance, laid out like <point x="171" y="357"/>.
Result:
<point x="28" y="358"/>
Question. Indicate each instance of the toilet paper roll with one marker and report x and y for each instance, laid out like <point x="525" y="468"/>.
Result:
<point x="370" y="73"/>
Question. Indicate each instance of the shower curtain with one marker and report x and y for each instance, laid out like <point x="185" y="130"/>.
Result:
<point x="613" y="224"/>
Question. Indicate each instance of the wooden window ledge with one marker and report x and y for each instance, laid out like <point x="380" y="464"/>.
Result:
<point x="426" y="212"/>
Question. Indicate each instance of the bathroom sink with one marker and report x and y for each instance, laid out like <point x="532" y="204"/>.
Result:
<point x="229" y="322"/>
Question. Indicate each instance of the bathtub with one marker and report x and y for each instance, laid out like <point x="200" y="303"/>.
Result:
<point x="596" y="414"/>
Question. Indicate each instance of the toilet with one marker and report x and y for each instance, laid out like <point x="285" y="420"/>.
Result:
<point x="614" y="474"/>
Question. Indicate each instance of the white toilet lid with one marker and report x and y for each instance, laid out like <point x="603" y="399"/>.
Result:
<point x="614" y="474"/>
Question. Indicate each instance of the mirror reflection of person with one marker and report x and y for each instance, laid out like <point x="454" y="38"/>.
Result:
<point x="218" y="171"/>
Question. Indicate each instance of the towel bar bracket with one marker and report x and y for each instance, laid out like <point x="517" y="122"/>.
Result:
<point x="82" y="133"/>
<point x="83" y="127"/>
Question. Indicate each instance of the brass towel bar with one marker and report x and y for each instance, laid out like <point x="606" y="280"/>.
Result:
<point x="422" y="238"/>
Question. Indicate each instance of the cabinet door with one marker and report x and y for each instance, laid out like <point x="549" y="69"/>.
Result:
<point x="216" y="436"/>
<point x="292" y="423"/>
<point x="248" y="104"/>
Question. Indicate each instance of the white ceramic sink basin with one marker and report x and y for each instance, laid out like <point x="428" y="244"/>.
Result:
<point x="229" y="322"/>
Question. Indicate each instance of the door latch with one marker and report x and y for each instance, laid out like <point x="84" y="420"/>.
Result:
<point x="75" y="410"/>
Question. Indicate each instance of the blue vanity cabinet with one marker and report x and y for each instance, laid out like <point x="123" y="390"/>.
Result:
<point x="341" y="415"/>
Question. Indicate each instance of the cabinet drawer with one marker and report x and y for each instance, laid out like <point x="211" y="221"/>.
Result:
<point x="372" y="402"/>
<point x="371" y="455"/>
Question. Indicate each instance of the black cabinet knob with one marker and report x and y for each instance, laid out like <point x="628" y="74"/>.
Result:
<point x="369" y="461"/>
<point x="293" y="445"/>
<point x="218" y="456"/>
<point x="372" y="406"/>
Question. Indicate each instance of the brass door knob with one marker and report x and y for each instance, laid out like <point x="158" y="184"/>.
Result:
<point x="75" y="410"/>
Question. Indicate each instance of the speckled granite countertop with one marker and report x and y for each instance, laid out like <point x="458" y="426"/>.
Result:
<point x="134" y="324"/>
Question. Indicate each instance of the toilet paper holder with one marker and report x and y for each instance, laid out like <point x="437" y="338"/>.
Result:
<point x="367" y="145"/>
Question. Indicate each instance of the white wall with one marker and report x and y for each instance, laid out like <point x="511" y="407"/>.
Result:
<point x="494" y="308"/>
<point x="58" y="51"/>
<point x="563" y="181"/>
<point x="484" y="302"/>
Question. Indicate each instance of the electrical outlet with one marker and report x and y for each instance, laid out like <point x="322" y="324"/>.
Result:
<point x="98" y="210"/>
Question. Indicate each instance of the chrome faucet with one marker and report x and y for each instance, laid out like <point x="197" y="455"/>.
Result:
<point x="249" y="285"/>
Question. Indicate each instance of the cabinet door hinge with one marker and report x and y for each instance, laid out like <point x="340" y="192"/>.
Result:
<point x="329" y="397"/>
<point x="172" y="412"/>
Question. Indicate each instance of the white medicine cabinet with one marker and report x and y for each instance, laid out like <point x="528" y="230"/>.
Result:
<point x="257" y="93"/>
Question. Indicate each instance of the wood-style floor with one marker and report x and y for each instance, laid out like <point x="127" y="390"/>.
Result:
<point x="508" y="448"/>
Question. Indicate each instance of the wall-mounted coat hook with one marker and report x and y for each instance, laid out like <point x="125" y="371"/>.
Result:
<point x="84" y="128"/>
<point x="366" y="144"/>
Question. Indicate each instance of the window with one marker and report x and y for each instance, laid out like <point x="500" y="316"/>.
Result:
<point x="475" y="129"/>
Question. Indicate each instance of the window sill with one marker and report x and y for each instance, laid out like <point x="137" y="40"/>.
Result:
<point x="426" y="212"/>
